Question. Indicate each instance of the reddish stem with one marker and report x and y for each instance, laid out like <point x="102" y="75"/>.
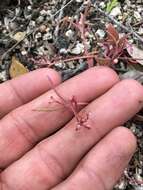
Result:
<point x="71" y="105"/>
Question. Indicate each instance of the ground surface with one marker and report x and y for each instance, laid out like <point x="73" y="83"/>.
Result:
<point x="70" y="36"/>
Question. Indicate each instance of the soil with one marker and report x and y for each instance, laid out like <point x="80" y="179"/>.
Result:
<point x="61" y="34"/>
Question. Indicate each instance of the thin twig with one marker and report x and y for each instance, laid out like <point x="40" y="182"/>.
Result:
<point x="92" y="56"/>
<point x="119" y="24"/>
<point x="62" y="8"/>
<point x="75" y="58"/>
<point x="15" y="45"/>
<point x="59" y="18"/>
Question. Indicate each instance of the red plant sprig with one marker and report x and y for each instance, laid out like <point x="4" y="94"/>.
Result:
<point x="112" y="49"/>
<point x="114" y="46"/>
<point x="70" y="104"/>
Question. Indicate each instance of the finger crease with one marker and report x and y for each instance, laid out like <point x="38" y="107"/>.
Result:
<point x="52" y="163"/>
<point x="25" y="129"/>
<point x="16" y="93"/>
<point x="95" y="176"/>
<point x="2" y="183"/>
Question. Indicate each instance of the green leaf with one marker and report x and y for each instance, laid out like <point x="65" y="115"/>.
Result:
<point x="111" y="4"/>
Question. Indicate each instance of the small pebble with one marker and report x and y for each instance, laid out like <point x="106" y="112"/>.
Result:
<point x="47" y="36"/>
<point x="3" y="76"/>
<point x="100" y="33"/>
<point x="71" y="65"/>
<point x="140" y="31"/>
<point x="24" y="52"/>
<point x="63" y="51"/>
<point x="122" y="185"/>
<point x="41" y="51"/>
<point x="116" y="12"/>
<point x="79" y="48"/>
<point x="137" y="15"/>
<point x="60" y="65"/>
<point x="79" y="1"/>
<point x="38" y="35"/>
<point x="40" y="19"/>
<point x="43" y="12"/>
<point x="102" y="5"/>
<point x="32" y="24"/>
<point x="138" y="187"/>
<point x="29" y="7"/>
<point x="42" y="28"/>
<point x="69" y="34"/>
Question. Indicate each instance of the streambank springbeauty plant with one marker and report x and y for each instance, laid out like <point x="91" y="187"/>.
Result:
<point x="114" y="46"/>
<point x="111" y="50"/>
<point x="70" y="104"/>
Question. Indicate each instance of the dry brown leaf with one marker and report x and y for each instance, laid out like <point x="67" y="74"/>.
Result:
<point x="133" y="74"/>
<point x="137" y="54"/>
<point x="16" y="68"/>
<point x="19" y="36"/>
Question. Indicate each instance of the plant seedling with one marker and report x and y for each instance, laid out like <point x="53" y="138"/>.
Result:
<point x="69" y="104"/>
<point x="114" y="48"/>
<point x="114" y="45"/>
<point x="111" y="4"/>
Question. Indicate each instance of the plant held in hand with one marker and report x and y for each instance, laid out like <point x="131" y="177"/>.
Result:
<point x="70" y="104"/>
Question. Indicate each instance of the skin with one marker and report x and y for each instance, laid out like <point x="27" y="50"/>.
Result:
<point x="42" y="150"/>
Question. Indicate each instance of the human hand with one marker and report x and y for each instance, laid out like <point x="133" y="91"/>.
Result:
<point x="42" y="150"/>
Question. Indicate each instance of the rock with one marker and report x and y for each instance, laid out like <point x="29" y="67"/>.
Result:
<point x="40" y="19"/>
<point x="79" y="1"/>
<point x="19" y="36"/>
<point x="136" y="53"/>
<point x="42" y="28"/>
<point x="61" y="65"/>
<point x="140" y="31"/>
<point x="133" y="74"/>
<point x="47" y="36"/>
<point x="24" y="52"/>
<point x="137" y="16"/>
<point x="69" y="34"/>
<point x="38" y="35"/>
<point x="102" y="5"/>
<point x="71" y="65"/>
<point x="79" y="48"/>
<point x="100" y="33"/>
<point x="43" y="12"/>
<point x="116" y="11"/>
<point x="138" y="187"/>
<point x="3" y="76"/>
<point x="63" y="51"/>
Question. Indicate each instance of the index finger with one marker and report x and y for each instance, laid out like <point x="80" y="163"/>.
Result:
<point x="25" y="88"/>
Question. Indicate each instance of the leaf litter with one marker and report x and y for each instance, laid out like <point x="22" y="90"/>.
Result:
<point x="70" y="36"/>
